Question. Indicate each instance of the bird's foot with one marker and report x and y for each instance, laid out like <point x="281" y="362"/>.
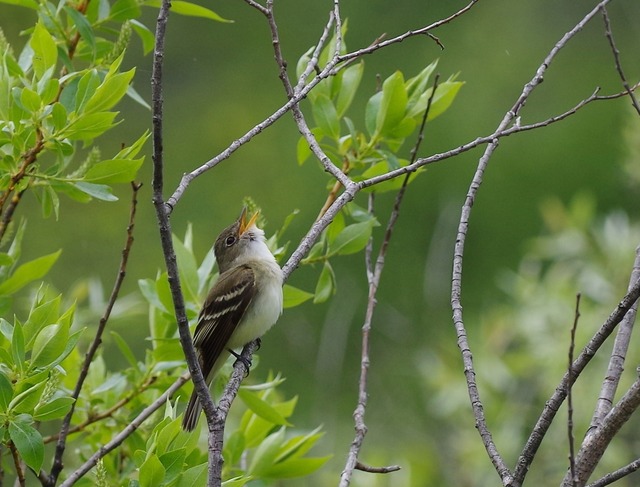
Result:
<point x="245" y="361"/>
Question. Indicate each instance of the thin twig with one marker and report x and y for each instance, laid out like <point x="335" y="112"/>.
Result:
<point x="572" y="344"/>
<point x="616" y="57"/>
<point x="617" y="474"/>
<point x="94" y="418"/>
<point x="17" y="463"/>
<point x="125" y="433"/>
<point x="97" y="339"/>
<point x="331" y="69"/>
<point x="374" y="274"/>
<point x="368" y="468"/>
<point x="411" y="33"/>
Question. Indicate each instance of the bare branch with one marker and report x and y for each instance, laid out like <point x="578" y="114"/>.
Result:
<point x="555" y="401"/>
<point x="97" y="339"/>
<point x="618" y="356"/>
<point x="616" y="57"/>
<point x="411" y="33"/>
<point x="456" y="281"/>
<point x="617" y="475"/>
<point x="368" y="468"/>
<point x="374" y="274"/>
<point x="572" y="344"/>
<point x="595" y="444"/>
<point x="162" y="214"/>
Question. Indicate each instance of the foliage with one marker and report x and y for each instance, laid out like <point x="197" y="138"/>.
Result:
<point x="392" y="115"/>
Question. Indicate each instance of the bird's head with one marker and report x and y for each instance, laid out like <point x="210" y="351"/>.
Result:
<point x="239" y="242"/>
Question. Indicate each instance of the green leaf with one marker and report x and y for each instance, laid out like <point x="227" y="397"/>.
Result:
<point x="45" y="52"/>
<point x="145" y="35"/>
<point x="371" y="113"/>
<point x="125" y="349"/>
<point x="58" y="116"/>
<point x="49" y="345"/>
<point x="89" y="126"/>
<point x="152" y="472"/>
<point x="418" y="84"/>
<point x="392" y="104"/>
<point x="6" y="392"/>
<point x="188" y="268"/>
<point x="125" y="10"/>
<point x="261" y="408"/>
<point x="352" y="239"/>
<point x="99" y="191"/>
<point x="240" y="481"/>
<point x="28" y="442"/>
<point x="325" y="288"/>
<point x="114" y="171"/>
<point x="22" y="3"/>
<point x="17" y="346"/>
<point x="173" y="463"/>
<point x="55" y="409"/>
<point x="30" y="100"/>
<point x="299" y="445"/>
<point x="26" y="401"/>
<point x="110" y="92"/>
<point x="442" y="100"/>
<point x="43" y="313"/>
<point x="28" y="272"/>
<point x="86" y="87"/>
<point x="189" y="9"/>
<point x="294" y="296"/>
<point x="295" y="467"/>
<point x="325" y="116"/>
<point x="266" y="453"/>
<point x="83" y="26"/>
<point x="350" y="81"/>
<point x="193" y="476"/>
<point x="234" y="447"/>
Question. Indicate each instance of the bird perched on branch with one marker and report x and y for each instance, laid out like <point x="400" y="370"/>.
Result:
<point x="242" y="305"/>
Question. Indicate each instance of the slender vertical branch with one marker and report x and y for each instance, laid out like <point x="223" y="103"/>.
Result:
<point x="616" y="57"/>
<point x="572" y="344"/>
<point x="374" y="274"/>
<point x="97" y="339"/>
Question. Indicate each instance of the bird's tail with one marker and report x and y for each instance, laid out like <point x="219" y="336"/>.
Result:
<point x="192" y="413"/>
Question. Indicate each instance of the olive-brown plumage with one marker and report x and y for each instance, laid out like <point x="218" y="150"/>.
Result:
<point x="242" y="305"/>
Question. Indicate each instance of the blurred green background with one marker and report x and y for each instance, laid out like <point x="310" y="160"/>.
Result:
<point x="221" y="80"/>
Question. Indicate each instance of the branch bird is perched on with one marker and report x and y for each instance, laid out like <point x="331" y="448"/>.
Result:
<point x="242" y="305"/>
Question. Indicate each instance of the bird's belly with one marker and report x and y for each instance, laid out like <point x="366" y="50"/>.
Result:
<point x="261" y="315"/>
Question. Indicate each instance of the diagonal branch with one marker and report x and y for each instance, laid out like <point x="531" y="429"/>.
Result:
<point x="125" y="433"/>
<point x="97" y="341"/>
<point x="618" y="356"/>
<point x="555" y="401"/>
<point x="595" y="445"/>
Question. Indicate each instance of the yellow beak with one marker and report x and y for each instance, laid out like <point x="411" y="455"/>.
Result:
<point x="244" y="224"/>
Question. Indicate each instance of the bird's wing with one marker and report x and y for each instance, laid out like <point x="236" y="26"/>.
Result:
<point x="223" y="309"/>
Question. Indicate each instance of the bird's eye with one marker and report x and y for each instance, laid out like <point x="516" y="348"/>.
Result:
<point x="230" y="240"/>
